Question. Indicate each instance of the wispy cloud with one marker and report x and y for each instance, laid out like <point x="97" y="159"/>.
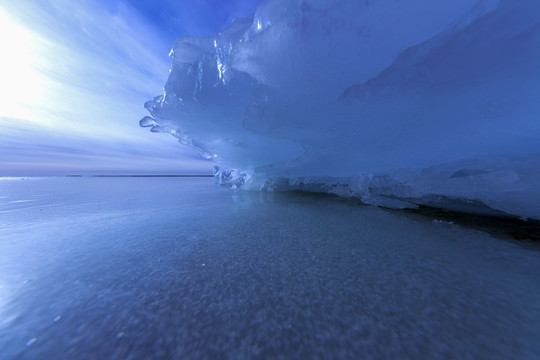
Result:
<point x="79" y="74"/>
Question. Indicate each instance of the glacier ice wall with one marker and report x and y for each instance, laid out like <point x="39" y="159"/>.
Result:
<point x="399" y="103"/>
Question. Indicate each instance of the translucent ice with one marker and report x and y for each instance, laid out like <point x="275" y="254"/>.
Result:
<point x="400" y="103"/>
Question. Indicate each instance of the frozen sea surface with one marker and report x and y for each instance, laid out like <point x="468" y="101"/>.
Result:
<point x="137" y="268"/>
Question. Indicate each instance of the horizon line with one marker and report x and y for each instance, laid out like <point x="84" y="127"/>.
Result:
<point x="141" y="175"/>
<point x="104" y="175"/>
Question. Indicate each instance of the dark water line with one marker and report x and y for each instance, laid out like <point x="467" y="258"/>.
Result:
<point x="504" y="226"/>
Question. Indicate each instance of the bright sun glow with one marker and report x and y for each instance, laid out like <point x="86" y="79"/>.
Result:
<point x="21" y="84"/>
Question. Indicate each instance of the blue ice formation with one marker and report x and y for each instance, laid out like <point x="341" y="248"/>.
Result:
<point x="399" y="103"/>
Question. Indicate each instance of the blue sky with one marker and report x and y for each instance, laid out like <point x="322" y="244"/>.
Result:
<point x="75" y="75"/>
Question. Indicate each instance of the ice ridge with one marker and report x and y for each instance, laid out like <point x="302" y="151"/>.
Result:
<point x="397" y="103"/>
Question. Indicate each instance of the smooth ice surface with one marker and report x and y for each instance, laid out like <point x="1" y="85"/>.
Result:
<point x="118" y="268"/>
<point x="356" y="89"/>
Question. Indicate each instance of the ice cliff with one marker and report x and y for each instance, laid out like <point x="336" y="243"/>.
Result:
<point x="399" y="103"/>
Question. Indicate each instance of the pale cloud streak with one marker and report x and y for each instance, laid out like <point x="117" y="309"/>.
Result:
<point x="75" y="77"/>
